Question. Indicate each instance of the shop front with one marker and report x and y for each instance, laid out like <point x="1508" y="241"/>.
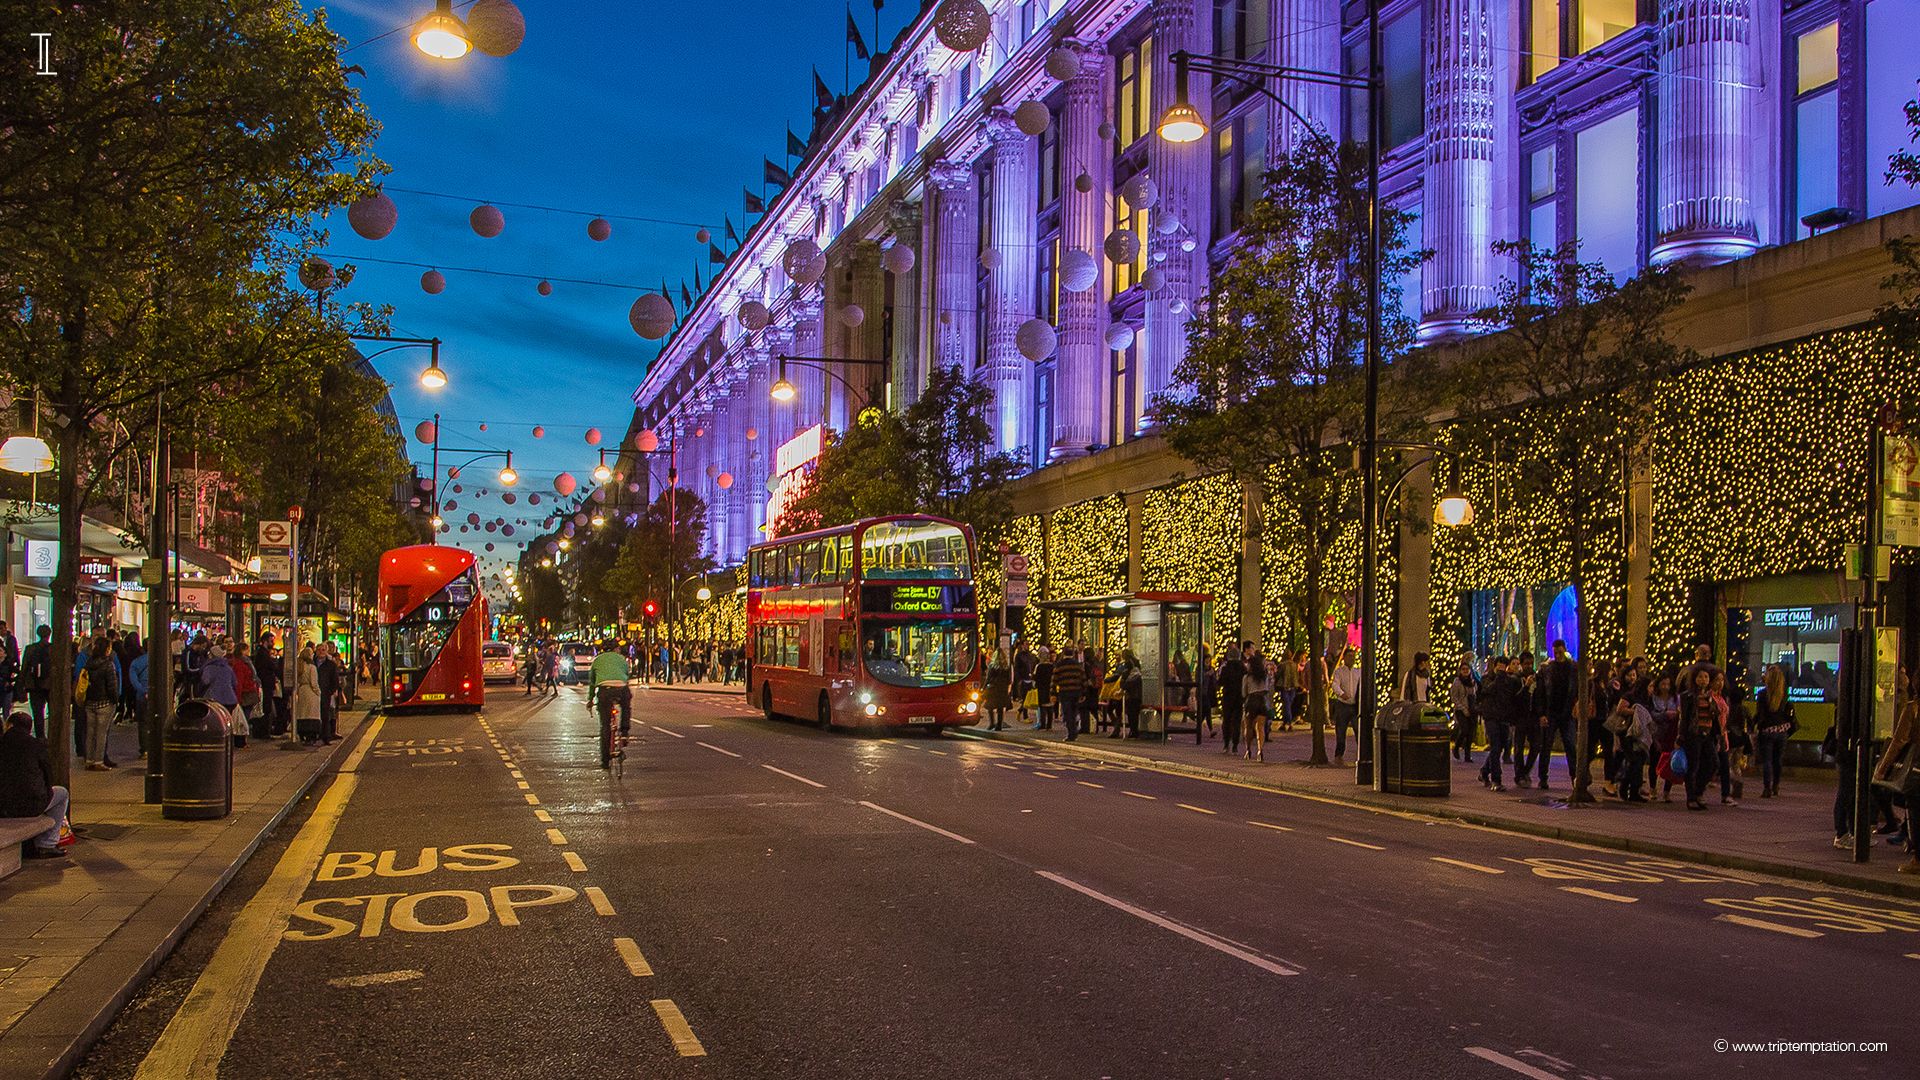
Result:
<point x="1164" y="630"/>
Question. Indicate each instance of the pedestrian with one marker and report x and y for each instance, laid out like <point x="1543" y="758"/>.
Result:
<point x="1739" y="735"/>
<point x="1722" y="761"/>
<point x="1345" y="703"/>
<point x="328" y="673"/>
<point x="137" y="678"/>
<point x="36" y="677"/>
<point x="306" y="699"/>
<point x="102" y="675"/>
<point x="1288" y="677"/>
<point x="1418" y="685"/>
<point x="1603" y="689"/>
<point x="266" y="668"/>
<point x="997" y="691"/>
<point x="1093" y="680"/>
<point x="1256" y="696"/>
<point x="1112" y="700"/>
<point x="1463" y="696"/>
<point x="9" y="668"/>
<point x="1526" y="726"/>
<point x="1897" y="777"/>
<point x="1233" y="696"/>
<point x="1631" y="726"/>
<point x="219" y="685"/>
<point x="1702" y="727"/>
<point x="1130" y="693"/>
<point x="1499" y="702"/>
<point x="1664" y="705"/>
<point x="1774" y="723"/>
<point x="530" y="653"/>
<point x="1022" y="689"/>
<point x="1044" y="703"/>
<point x="1206" y="689"/>
<point x="1559" y="688"/>
<point x="27" y="788"/>
<point x="246" y="684"/>
<point x="1069" y="688"/>
<point x="552" y="658"/>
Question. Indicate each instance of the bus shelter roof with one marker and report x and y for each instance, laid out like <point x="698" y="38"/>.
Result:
<point x="1114" y="605"/>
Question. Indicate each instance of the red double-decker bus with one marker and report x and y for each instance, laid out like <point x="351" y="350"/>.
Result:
<point x="871" y="624"/>
<point x="433" y="618"/>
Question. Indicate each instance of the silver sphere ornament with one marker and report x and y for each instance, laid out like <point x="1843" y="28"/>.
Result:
<point x="316" y="273"/>
<point x="898" y="259"/>
<point x="1083" y="183"/>
<point x="651" y="316"/>
<point x="1154" y="279"/>
<point x="1119" y="336"/>
<point x="1122" y="245"/>
<point x="1140" y="191"/>
<point x="804" y="262"/>
<point x="1032" y="117"/>
<point x="1036" y="339"/>
<point x="753" y="316"/>
<point x="853" y="315"/>
<point x="373" y="217"/>
<point x="433" y="282"/>
<point x="1078" y="271"/>
<point x="991" y="259"/>
<point x="962" y="25"/>
<point x="1106" y="131"/>
<point x="1167" y="224"/>
<point x="1063" y="63"/>
<point x="496" y="27"/>
<point x="487" y="220"/>
<point x="1188" y="243"/>
<point x="712" y="471"/>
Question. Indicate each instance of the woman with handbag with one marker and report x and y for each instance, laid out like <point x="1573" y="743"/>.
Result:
<point x="1256" y="688"/>
<point x="1664" y="705"/>
<point x="1773" y="724"/>
<point x="306" y="699"/>
<point x="1043" y="691"/>
<point x="247" y="685"/>
<point x="997" y="694"/>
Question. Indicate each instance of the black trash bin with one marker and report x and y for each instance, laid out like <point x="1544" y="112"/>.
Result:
<point x="1412" y="751"/>
<point x="198" y="782"/>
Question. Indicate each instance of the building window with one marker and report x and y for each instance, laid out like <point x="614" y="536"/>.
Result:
<point x="1606" y="193"/>
<point x="1561" y="28"/>
<point x="1133" y="92"/>
<point x="1047" y="281"/>
<point x="1121" y="411"/>
<point x="1125" y="274"/>
<point x="1543" y="204"/>
<point x="1404" y="90"/>
<point x="1239" y="165"/>
<point x="1049" y="162"/>
<point x="1410" y="283"/>
<point x="1042" y="412"/>
<point x="1815" y="124"/>
<point x="1240" y="28"/>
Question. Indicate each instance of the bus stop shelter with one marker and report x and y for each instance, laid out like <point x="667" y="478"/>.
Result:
<point x="1164" y="630"/>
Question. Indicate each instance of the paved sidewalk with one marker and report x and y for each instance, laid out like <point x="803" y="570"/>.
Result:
<point x="1791" y="836"/>
<point x="728" y="689"/>
<point x="79" y="935"/>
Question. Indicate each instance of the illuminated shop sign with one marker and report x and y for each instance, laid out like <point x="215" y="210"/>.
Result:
<point x="1806" y="620"/>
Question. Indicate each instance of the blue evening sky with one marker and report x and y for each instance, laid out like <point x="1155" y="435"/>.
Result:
<point x="650" y="109"/>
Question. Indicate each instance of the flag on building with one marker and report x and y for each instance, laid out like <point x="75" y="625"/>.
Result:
<point x="775" y="175"/>
<point x="854" y="39"/>
<point x="751" y="203"/>
<point x="822" y="97"/>
<point x="796" y="146"/>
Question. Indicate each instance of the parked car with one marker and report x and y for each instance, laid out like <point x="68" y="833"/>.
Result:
<point x="497" y="662"/>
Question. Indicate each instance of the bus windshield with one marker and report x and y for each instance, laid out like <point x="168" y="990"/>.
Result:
<point x="919" y="652"/>
<point x="419" y="636"/>
<point x="914" y="550"/>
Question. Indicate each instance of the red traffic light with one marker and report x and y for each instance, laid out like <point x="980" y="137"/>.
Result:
<point x="651" y="609"/>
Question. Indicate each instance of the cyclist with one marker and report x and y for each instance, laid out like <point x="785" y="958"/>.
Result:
<point x="607" y="689"/>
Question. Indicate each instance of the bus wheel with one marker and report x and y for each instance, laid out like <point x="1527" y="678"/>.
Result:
<point x="826" y="714"/>
<point x="766" y="700"/>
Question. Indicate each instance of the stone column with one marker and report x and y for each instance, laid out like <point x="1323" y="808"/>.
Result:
<point x="866" y="341"/>
<point x="809" y="407"/>
<point x="760" y="448"/>
<point x="782" y="416"/>
<point x="1010" y="285"/>
<point x="1081" y="362"/>
<point x="1181" y="171"/>
<point x="1457" y="198"/>
<point x="954" y="265"/>
<point x="1306" y="35"/>
<point x="1704" y="210"/>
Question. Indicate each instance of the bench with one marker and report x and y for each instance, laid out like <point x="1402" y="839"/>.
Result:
<point x="15" y="831"/>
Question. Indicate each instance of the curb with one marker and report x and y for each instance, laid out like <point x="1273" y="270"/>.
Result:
<point x="725" y="691"/>
<point x="139" y="963"/>
<point x="1904" y="889"/>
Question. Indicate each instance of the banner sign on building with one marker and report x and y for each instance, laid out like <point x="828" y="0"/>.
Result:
<point x="43" y="558"/>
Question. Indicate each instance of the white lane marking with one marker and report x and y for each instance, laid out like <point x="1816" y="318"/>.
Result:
<point x="1195" y="809"/>
<point x="915" y="821"/>
<point x="1164" y="923"/>
<point x="794" y="776"/>
<point x="1355" y="843"/>
<point x="1598" y="895"/>
<point x="666" y="731"/>
<point x="1514" y="1064"/>
<point x="1004" y="765"/>
<point x="1137" y="795"/>
<point x="406" y="975"/>
<point x="703" y="725"/>
<point x="1778" y="928"/>
<point x="1265" y="825"/>
<point x="717" y="749"/>
<point x="1468" y="865"/>
<point x="1089" y="783"/>
<point x="1045" y="775"/>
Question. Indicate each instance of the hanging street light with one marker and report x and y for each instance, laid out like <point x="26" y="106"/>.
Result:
<point x="434" y="377"/>
<point x="783" y="390"/>
<point x="440" y="33"/>
<point x="26" y="454"/>
<point x="507" y="475"/>
<point x="601" y="473"/>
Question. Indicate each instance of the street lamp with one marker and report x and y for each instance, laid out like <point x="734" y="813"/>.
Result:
<point x="440" y="33"/>
<point x="783" y="390"/>
<point x="507" y="475"/>
<point x="1182" y="123"/>
<point x="26" y="454"/>
<point x="433" y="377"/>
<point x="602" y="474"/>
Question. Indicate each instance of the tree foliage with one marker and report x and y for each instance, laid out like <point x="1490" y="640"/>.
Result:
<point x="660" y="558"/>
<point x="1271" y="389"/>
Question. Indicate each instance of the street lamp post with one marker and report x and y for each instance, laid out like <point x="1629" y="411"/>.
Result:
<point x="1183" y="123"/>
<point x="433" y="377"/>
<point x="783" y="391"/>
<point x="508" y="475"/>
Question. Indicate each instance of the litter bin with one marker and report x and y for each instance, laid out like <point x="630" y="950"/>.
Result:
<point x="1412" y="751"/>
<point x="198" y="782"/>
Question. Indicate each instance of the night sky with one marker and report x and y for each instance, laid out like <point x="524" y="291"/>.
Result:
<point x="650" y="109"/>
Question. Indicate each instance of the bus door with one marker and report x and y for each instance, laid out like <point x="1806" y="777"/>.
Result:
<point x="816" y="628"/>
<point x="848" y="662"/>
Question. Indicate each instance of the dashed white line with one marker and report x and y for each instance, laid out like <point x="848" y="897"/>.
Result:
<point x="1089" y="783"/>
<point x="1045" y="775"/>
<point x="1004" y="765"/>
<point x="1266" y="825"/>
<point x="1195" y="809"/>
<point x="1137" y="795"/>
<point x="1778" y="928"/>
<point x="1516" y="1065"/>
<point x="1164" y="923"/>
<point x="915" y="821"/>
<point x="666" y="731"/>
<point x="1468" y="865"/>
<point x="1598" y="895"/>
<point x="717" y="749"/>
<point x="794" y="776"/>
<point x="1355" y="843"/>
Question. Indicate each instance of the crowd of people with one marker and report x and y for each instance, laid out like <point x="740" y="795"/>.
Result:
<point x="544" y="663"/>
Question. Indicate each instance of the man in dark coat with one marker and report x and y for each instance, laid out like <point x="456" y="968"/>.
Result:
<point x="36" y="677"/>
<point x="26" y="784"/>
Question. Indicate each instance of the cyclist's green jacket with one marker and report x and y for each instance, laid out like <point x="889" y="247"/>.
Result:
<point x="609" y="668"/>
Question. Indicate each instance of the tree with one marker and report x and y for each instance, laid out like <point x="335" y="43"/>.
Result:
<point x="1271" y="386"/>
<point x="1569" y="339"/>
<point x="662" y="554"/>
<point x="153" y="196"/>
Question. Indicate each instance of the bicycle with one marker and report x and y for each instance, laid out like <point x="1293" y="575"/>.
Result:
<point x="613" y="752"/>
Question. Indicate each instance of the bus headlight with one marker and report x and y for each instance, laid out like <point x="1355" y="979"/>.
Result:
<point x="866" y="698"/>
<point x="973" y="695"/>
<point x="871" y="709"/>
<point x="970" y="707"/>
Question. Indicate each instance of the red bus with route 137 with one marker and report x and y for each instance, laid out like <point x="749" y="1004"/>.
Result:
<point x="872" y="624"/>
<point x="433" y="619"/>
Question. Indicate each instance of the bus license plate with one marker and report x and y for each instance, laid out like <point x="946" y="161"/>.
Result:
<point x="920" y="720"/>
<point x="433" y="697"/>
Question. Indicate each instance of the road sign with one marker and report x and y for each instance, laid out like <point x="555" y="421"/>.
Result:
<point x="1017" y="592"/>
<point x="1016" y="565"/>
<point x="276" y="567"/>
<point x="275" y="534"/>
<point x="153" y="571"/>
<point x="294" y="514"/>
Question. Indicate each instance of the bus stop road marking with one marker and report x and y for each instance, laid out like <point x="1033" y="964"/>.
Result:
<point x="599" y="899"/>
<point x="556" y="837"/>
<point x="629" y="951"/>
<point x="794" y="776"/>
<point x="1164" y="923"/>
<point x="677" y="1028"/>
<point x="574" y="862"/>
<point x="1778" y="928"/>
<point x="1598" y="895"/>
<point x="543" y="816"/>
<point x="915" y="821"/>
<point x="717" y="749"/>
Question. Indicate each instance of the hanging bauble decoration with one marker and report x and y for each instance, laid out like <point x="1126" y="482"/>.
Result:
<point x="463" y="528"/>
<point x="1106" y="130"/>
<point x="898" y="260"/>
<point x="753" y="315"/>
<point x="773" y="484"/>
<point x="593" y="436"/>
<point x="1032" y="117"/>
<point x="433" y="282"/>
<point x="1140" y="192"/>
<point x="702" y="235"/>
<point x="1036" y="339"/>
<point x="752" y="433"/>
<point x="1122" y="245"/>
<point x="725" y="480"/>
<point x="509" y="498"/>
<point x="473" y="519"/>
<point x="712" y="470"/>
<point x="489" y="543"/>
<point x="599" y="228"/>
<point x="553" y="547"/>
<point x="456" y="489"/>
<point x="646" y="441"/>
<point x="316" y="273"/>
<point x="1159" y="256"/>
<point x="1177" y="305"/>
<point x="1078" y="271"/>
<point x="533" y="498"/>
<point x="496" y="27"/>
<point x="1167" y="224"/>
<point x="1063" y="63"/>
<point x="699" y="433"/>
<point x="579" y="519"/>
<point x="483" y="425"/>
<point x="1154" y="279"/>
<point x="449" y="506"/>
<point x="373" y="217"/>
<point x="545" y="288"/>
<point x="1119" y="336"/>
<point x="539" y="432"/>
<point x="426" y="482"/>
<point x="853" y="314"/>
<point x="415" y="501"/>
<point x="1188" y="243"/>
<point x="634" y="488"/>
<point x="651" y="316"/>
<point x="599" y="495"/>
<point x="804" y="262"/>
<point x="991" y="259"/>
<point x="565" y="483"/>
<point x="946" y="317"/>
<point x="487" y="220"/>
<point x="453" y="473"/>
<point x="424" y="431"/>
<point x="962" y="25"/>
<point x="506" y="530"/>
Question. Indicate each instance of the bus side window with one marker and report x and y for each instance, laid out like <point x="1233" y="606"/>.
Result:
<point x="846" y="557"/>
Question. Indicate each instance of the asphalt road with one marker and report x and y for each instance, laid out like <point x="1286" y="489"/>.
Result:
<point x="760" y="899"/>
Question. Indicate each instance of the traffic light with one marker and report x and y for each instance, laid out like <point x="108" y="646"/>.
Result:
<point x="650" y="608"/>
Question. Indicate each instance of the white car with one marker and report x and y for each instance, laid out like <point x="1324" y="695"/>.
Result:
<point x="497" y="663"/>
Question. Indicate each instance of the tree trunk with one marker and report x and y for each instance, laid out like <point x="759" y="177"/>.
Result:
<point x="1583" y="688"/>
<point x="1316" y="655"/>
<point x="66" y="588"/>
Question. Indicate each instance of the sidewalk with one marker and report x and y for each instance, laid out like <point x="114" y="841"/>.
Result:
<point x="729" y="689"/>
<point x="79" y="935"/>
<point x="1789" y="836"/>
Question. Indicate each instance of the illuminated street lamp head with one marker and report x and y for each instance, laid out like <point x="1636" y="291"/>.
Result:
<point x="1453" y="508"/>
<point x="602" y="474"/>
<point x="437" y="522"/>
<point x="440" y="33"/>
<point x="783" y="390"/>
<point x="507" y="475"/>
<point x="704" y="594"/>
<point x="26" y="454"/>
<point x="1181" y="123"/>
<point x="599" y="520"/>
<point x="433" y="378"/>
